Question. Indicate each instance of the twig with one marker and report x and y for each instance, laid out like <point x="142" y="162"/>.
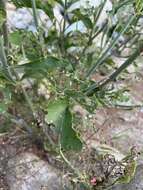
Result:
<point x="3" y="61"/>
<point x="35" y="13"/>
<point x="68" y="163"/>
<point x="95" y="87"/>
<point x="91" y="38"/>
<point x="105" y="54"/>
<point x="62" y="31"/>
<point x="4" y="27"/>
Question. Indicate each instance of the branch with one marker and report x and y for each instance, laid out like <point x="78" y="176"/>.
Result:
<point x="4" y="29"/>
<point x="105" y="54"/>
<point x="3" y="61"/>
<point x="95" y="87"/>
<point x="35" y="13"/>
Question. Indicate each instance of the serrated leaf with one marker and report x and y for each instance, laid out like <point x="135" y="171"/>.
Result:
<point x="56" y="111"/>
<point x="69" y="138"/>
<point x="39" y="68"/>
<point x="60" y="116"/>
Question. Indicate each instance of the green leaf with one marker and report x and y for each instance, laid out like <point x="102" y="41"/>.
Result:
<point x="129" y="173"/>
<point x="60" y="116"/>
<point x="3" y="108"/>
<point x="40" y="68"/>
<point x="56" y="110"/>
<point x="107" y="50"/>
<point x="5" y="99"/>
<point x="2" y="16"/>
<point x="5" y="72"/>
<point x="60" y="2"/>
<point x="44" y="5"/>
<point x="69" y="137"/>
<point x="139" y="6"/>
<point x="15" y="38"/>
<point x="84" y="18"/>
<point x="22" y="3"/>
<point x="4" y="77"/>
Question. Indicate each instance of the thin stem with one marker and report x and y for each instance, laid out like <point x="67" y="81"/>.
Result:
<point x="97" y="32"/>
<point x="4" y="27"/>
<point x="62" y="31"/>
<point x="6" y="69"/>
<point x="8" y="72"/>
<point x="35" y="13"/>
<point x="65" y="9"/>
<point x="95" y="87"/>
<point x="126" y="2"/>
<point x="27" y="98"/>
<point x="68" y="163"/>
<point x="20" y="122"/>
<point x="128" y="107"/>
<point x="36" y="20"/>
<point x="3" y="61"/>
<point x="100" y="11"/>
<point x="91" y="38"/>
<point x="107" y="51"/>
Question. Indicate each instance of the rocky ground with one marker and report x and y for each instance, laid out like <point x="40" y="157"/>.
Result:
<point x="23" y="168"/>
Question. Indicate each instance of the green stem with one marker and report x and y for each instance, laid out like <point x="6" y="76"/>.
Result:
<point x="99" y="11"/>
<point x="97" y="32"/>
<point x="121" y="4"/>
<point x="27" y="98"/>
<point x="69" y="164"/>
<point x="36" y="20"/>
<point x="6" y="69"/>
<point x="3" y="61"/>
<point x="62" y="37"/>
<point x="35" y="13"/>
<point x="109" y="48"/>
<point x="95" y="87"/>
<point x="4" y="29"/>
<point x="91" y="38"/>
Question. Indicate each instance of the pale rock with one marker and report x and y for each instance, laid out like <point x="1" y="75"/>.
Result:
<point x="28" y="172"/>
